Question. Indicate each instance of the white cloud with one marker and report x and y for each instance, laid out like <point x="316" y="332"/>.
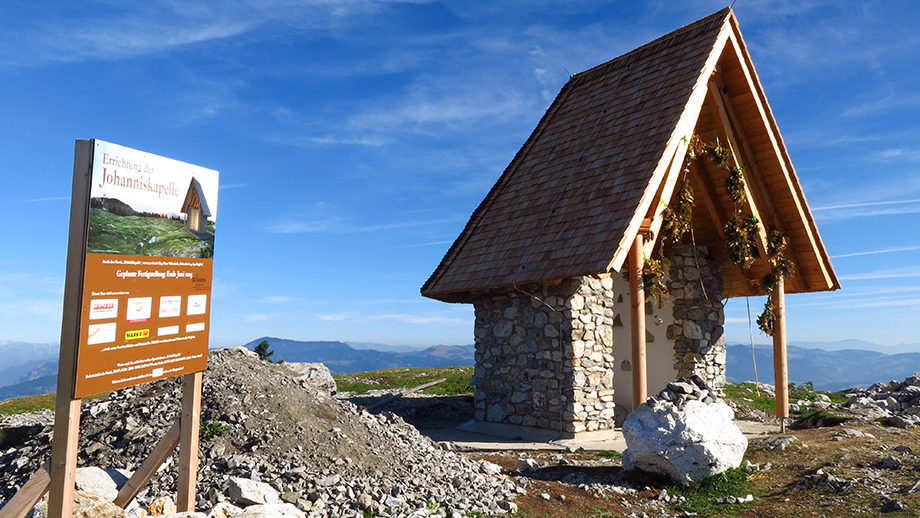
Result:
<point x="873" y="252"/>
<point x="336" y="317"/>
<point x="425" y="319"/>
<point x="261" y="316"/>
<point x="57" y="198"/>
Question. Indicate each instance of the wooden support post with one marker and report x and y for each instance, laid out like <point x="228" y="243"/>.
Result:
<point x="29" y="495"/>
<point x="780" y="368"/>
<point x="637" y="311"/>
<point x="188" y="442"/>
<point x="64" y="446"/>
<point x="149" y="467"/>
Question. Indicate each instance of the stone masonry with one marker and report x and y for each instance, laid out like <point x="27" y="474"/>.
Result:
<point x="695" y="286"/>
<point x="544" y="356"/>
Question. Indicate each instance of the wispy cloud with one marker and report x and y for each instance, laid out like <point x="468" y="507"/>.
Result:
<point x="424" y="319"/>
<point x="869" y="209"/>
<point x="63" y="33"/>
<point x="257" y="317"/>
<point x="336" y="317"/>
<point x="873" y="252"/>
<point x="882" y="274"/>
<point x="341" y="226"/>
<point x="57" y="198"/>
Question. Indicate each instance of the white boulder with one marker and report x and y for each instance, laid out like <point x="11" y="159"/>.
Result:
<point x="688" y="442"/>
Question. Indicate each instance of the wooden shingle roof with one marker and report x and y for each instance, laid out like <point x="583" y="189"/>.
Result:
<point x="610" y="147"/>
<point x="194" y="198"/>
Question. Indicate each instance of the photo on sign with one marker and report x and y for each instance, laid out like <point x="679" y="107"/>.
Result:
<point x="148" y="205"/>
<point x="117" y="228"/>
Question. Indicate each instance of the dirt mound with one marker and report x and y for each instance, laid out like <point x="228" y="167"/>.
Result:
<point x="261" y="423"/>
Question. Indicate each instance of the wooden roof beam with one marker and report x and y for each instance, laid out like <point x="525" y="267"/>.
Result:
<point x="756" y="192"/>
<point x="711" y="200"/>
<point x="724" y="130"/>
<point x="784" y="161"/>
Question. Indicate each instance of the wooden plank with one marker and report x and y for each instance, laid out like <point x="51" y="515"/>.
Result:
<point x="67" y="410"/>
<point x="780" y="364"/>
<point x="637" y="314"/>
<point x="716" y="211"/>
<point x="785" y="163"/>
<point x="28" y="495"/>
<point x="723" y="123"/>
<point x="149" y="467"/>
<point x="64" y="449"/>
<point x="188" y="442"/>
<point x="754" y="176"/>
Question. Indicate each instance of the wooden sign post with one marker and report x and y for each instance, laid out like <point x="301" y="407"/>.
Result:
<point x="136" y="308"/>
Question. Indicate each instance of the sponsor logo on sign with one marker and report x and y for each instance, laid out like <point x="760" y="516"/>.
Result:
<point x="197" y="304"/>
<point x="191" y="328"/>
<point x="170" y="306"/>
<point x="139" y="309"/>
<point x="136" y="334"/>
<point x="100" y="333"/>
<point x="169" y="330"/>
<point x="100" y="309"/>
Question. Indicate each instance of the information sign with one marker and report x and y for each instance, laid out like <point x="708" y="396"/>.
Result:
<point x="146" y="280"/>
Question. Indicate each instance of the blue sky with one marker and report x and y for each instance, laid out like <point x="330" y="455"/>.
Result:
<point x="355" y="137"/>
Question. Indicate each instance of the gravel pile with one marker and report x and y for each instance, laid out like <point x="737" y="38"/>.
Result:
<point x="898" y="403"/>
<point x="328" y="457"/>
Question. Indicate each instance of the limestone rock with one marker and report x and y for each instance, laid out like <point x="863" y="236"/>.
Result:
<point x="224" y="510"/>
<point x="249" y="492"/>
<point x="777" y="443"/>
<point x="162" y="506"/>
<point x="687" y="442"/>
<point x="315" y="373"/>
<point x="101" y="481"/>
<point x="92" y="505"/>
<point x="271" y="511"/>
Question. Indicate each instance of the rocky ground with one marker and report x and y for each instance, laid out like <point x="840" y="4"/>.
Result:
<point x="328" y="457"/>
<point x="332" y="457"/>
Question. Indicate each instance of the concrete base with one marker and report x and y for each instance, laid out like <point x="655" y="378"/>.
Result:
<point x="536" y="434"/>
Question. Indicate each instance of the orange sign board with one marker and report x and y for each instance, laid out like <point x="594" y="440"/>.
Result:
<point x="146" y="283"/>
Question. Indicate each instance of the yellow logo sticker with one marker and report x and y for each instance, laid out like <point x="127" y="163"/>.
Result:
<point x="137" y="333"/>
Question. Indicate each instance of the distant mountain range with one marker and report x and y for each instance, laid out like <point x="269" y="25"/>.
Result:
<point x="832" y="370"/>
<point x="31" y="368"/>
<point x="342" y="358"/>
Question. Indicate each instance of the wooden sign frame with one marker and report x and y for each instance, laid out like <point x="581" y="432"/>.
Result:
<point x="58" y="478"/>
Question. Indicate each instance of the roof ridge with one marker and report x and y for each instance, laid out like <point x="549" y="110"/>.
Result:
<point x="668" y="39"/>
<point x="498" y="188"/>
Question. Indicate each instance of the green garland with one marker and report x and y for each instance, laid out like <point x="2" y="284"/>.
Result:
<point x="766" y="319"/>
<point x="653" y="273"/>
<point x="676" y="219"/>
<point x="740" y="240"/>
<point x="734" y="184"/>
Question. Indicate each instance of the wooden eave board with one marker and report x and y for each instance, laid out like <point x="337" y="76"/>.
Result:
<point x="583" y="181"/>
<point x="749" y="105"/>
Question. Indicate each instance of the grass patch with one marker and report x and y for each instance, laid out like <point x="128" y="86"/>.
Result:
<point x="818" y="419"/>
<point x="608" y="454"/>
<point x="702" y="499"/>
<point x="747" y="393"/>
<point x="27" y="404"/>
<point x="24" y="405"/>
<point x="458" y="380"/>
